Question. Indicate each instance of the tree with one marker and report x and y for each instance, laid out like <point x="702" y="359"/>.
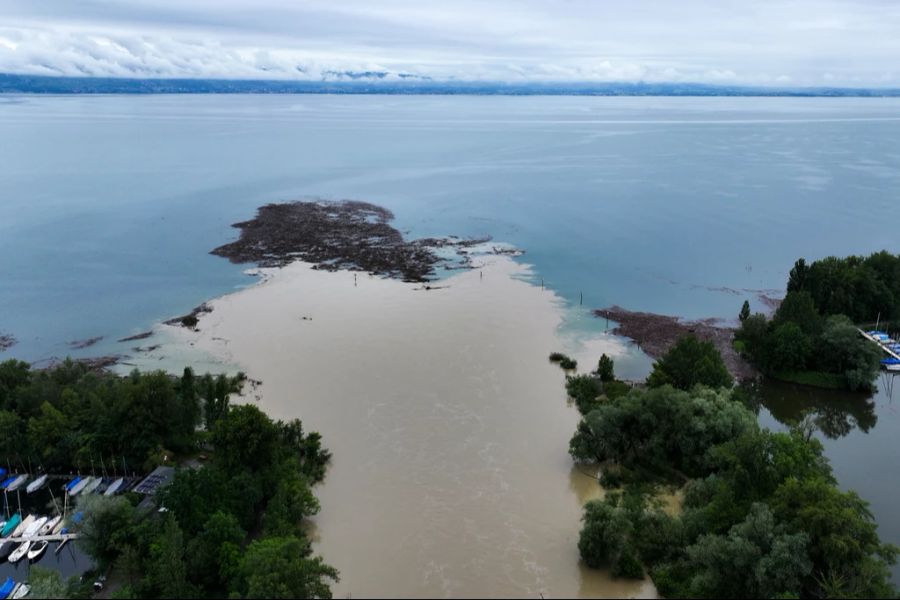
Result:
<point x="605" y="541"/>
<point x="213" y="556"/>
<point x="789" y="348"/>
<point x="688" y="363"/>
<point x="106" y="527"/>
<point x="846" y="352"/>
<point x="292" y="503"/>
<point x="660" y="430"/>
<point x="167" y="569"/>
<point x="606" y="369"/>
<point x="843" y="540"/>
<point x="282" y="568"/>
<point x="798" y="307"/>
<point x="798" y="275"/>
<point x="584" y="391"/>
<point x="755" y="560"/>
<point x="46" y="433"/>
<point x="745" y="311"/>
<point x="245" y="438"/>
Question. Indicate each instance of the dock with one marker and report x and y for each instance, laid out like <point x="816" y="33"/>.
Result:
<point x="880" y="344"/>
<point x="59" y="537"/>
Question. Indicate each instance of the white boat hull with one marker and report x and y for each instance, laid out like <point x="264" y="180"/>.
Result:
<point x="20" y="552"/>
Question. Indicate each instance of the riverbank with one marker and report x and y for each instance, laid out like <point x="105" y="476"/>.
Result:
<point x="448" y="425"/>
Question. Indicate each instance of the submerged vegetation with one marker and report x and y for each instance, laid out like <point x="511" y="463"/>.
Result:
<point x="761" y="515"/>
<point x="230" y="527"/>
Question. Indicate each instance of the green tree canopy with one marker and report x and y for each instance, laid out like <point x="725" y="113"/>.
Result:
<point x="688" y="363"/>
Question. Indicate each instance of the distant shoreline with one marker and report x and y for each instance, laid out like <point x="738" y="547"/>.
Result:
<point x="356" y="84"/>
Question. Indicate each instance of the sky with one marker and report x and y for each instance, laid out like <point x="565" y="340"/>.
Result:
<point x="748" y="42"/>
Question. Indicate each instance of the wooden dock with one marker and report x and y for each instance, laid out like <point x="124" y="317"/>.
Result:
<point x="59" y="537"/>
<point x="879" y="343"/>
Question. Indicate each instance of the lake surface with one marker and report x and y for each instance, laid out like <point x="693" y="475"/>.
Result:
<point x="109" y="206"/>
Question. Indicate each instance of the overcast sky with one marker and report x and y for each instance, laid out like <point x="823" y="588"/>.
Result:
<point x="770" y="42"/>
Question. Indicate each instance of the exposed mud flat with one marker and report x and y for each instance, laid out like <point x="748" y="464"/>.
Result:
<point x="656" y="334"/>
<point x="338" y="235"/>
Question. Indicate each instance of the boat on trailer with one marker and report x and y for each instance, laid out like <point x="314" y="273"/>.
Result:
<point x="36" y="484"/>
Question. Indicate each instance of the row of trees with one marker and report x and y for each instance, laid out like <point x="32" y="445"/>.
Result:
<point x="761" y="517"/>
<point x="70" y="417"/>
<point x="859" y="287"/>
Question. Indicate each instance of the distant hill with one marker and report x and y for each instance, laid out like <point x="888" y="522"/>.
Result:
<point x="376" y="83"/>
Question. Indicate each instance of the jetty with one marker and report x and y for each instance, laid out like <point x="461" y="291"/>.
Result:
<point x="59" y="537"/>
<point x="883" y="341"/>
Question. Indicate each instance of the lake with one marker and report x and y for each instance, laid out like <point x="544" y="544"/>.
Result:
<point x="109" y="206"/>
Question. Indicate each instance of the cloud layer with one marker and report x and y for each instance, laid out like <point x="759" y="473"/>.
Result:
<point x="775" y="42"/>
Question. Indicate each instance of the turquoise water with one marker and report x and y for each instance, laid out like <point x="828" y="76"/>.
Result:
<point x="109" y="205"/>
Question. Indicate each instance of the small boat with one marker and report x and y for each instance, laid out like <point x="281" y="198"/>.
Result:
<point x="23" y="526"/>
<point x="32" y="530"/>
<point x="19" y="553"/>
<point x="891" y="364"/>
<point x="80" y="486"/>
<point x="36" y="484"/>
<point x="114" y="487"/>
<point x="37" y="550"/>
<point x="73" y="483"/>
<point x="11" y="525"/>
<point x="58" y="528"/>
<point x="91" y="487"/>
<point x="49" y="525"/>
<point x="6" y="482"/>
<point x="7" y="588"/>
<point x="20" y="592"/>
<point x="17" y="483"/>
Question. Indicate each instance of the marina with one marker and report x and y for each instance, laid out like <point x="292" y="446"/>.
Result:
<point x="888" y="345"/>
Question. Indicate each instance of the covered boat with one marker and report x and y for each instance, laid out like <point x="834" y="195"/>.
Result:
<point x="114" y="487"/>
<point x="73" y="483"/>
<point x="36" y="484"/>
<point x="6" y="482"/>
<point x="17" y="483"/>
<point x="49" y="526"/>
<point x="11" y="525"/>
<point x="7" y="588"/>
<point x="91" y="487"/>
<point x="891" y="364"/>
<point x="76" y="489"/>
